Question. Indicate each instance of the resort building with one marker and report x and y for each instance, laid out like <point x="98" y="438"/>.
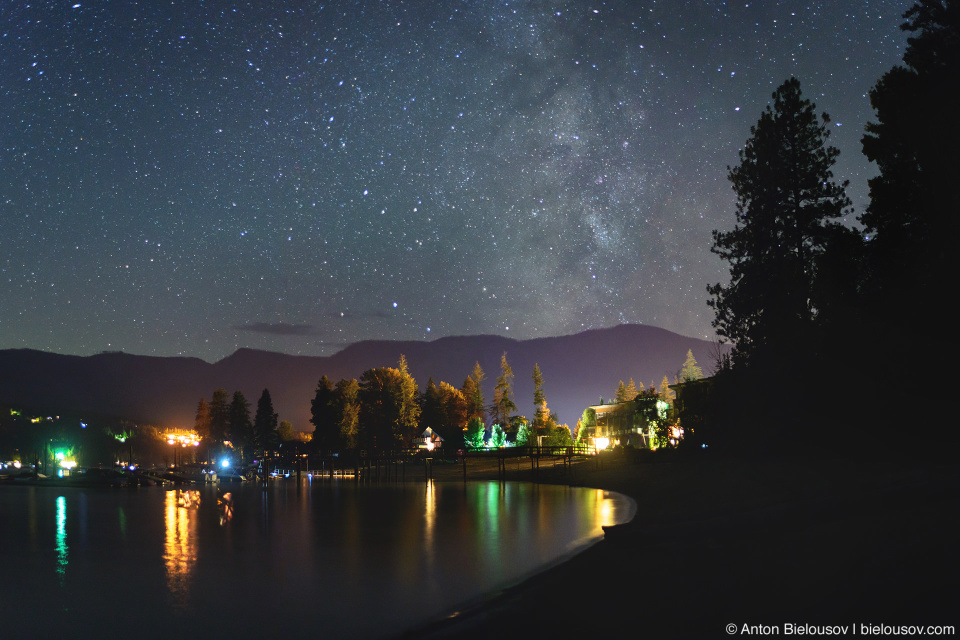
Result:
<point x="620" y="424"/>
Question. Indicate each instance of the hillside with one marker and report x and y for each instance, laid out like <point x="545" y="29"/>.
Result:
<point x="578" y="370"/>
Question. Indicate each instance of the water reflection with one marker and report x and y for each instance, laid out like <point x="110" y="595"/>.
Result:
<point x="62" y="550"/>
<point x="122" y="516"/>
<point x="339" y="559"/>
<point x="605" y="512"/>
<point x="225" y="505"/>
<point x="429" y="522"/>
<point x="180" y="549"/>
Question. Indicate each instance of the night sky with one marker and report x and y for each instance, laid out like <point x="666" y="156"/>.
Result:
<point x="190" y="177"/>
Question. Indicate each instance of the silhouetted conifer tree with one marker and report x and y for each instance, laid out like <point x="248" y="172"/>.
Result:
<point x="323" y="416"/>
<point x="913" y="217"/>
<point x="787" y="205"/>
<point x="241" y="429"/>
<point x="265" y="436"/>
<point x="219" y="416"/>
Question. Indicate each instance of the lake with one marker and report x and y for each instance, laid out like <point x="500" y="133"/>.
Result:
<point x="335" y="558"/>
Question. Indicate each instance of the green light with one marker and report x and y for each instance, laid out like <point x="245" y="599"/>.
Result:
<point x="62" y="559"/>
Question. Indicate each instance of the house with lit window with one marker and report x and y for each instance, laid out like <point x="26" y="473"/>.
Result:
<point x="620" y="424"/>
<point x="428" y="440"/>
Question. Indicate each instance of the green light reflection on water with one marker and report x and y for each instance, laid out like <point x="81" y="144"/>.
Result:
<point x="62" y="549"/>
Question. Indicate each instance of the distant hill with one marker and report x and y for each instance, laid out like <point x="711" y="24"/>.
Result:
<point x="577" y="370"/>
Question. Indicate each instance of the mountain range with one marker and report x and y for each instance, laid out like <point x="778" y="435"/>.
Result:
<point x="578" y="370"/>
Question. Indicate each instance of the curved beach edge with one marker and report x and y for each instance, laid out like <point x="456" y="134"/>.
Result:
<point x="721" y="542"/>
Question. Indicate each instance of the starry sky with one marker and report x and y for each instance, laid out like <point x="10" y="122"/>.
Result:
<point x="186" y="177"/>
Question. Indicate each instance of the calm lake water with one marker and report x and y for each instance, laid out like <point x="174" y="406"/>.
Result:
<point x="335" y="559"/>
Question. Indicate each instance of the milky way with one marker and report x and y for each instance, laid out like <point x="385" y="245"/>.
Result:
<point x="192" y="177"/>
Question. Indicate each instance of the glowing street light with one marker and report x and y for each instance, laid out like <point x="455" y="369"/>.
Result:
<point x="183" y="438"/>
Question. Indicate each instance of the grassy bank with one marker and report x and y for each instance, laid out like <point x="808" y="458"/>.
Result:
<point x="728" y="541"/>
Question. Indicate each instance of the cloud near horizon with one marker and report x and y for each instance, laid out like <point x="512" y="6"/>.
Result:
<point x="278" y="328"/>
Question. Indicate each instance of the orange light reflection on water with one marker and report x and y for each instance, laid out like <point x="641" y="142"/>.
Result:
<point x="180" y="548"/>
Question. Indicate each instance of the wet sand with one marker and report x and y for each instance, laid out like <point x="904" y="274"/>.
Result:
<point x="720" y="542"/>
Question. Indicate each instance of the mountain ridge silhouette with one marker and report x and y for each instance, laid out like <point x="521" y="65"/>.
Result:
<point x="578" y="370"/>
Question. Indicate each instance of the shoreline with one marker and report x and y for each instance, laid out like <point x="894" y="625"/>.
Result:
<point x="725" y="541"/>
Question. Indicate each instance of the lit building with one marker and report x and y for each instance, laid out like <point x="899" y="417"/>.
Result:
<point x="621" y="424"/>
<point x="429" y="440"/>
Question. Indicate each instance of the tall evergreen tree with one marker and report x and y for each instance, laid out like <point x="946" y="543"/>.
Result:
<point x="265" y="424"/>
<point x="324" y="416"/>
<point x="241" y="429"/>
<point x="389" y="412"/>
<point x="666" y="393"/>
<point x="912" y="222"/>
<point x="586" y="425"/>
<point x="285" y="431"/>
<point x="431" y="408"/>
<point x="523" y="435"/>
<point x="454" y="409"/>
<point x="630" y="391"/>
<point x="621" y="395"/>
<point x="348" y="413"/>
<point x="691" y="370"/>
<point x="473" y="392"/>
<point x="409" y="418"/>
<point x="474" y="435"/>
<point x="503" y="405"/>
<point x="220" y="416"/>
<point x="380" y="409"/>
<point x="913" y="218"/>
<point x="786" y="212"/>
<point x="498" y="437"/>
<point x="541" y="412"/>
<point x="201" y="423"/>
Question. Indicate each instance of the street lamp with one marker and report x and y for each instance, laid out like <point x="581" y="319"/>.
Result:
<point x="184" y="439"/>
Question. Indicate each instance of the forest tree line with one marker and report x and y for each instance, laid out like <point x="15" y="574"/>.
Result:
<point x="384" y="410"/>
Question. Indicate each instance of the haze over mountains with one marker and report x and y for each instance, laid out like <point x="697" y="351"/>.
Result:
<point x="578" y="370"/>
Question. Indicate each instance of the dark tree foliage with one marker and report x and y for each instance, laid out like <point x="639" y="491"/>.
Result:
<point x="219" y="416"/>
<point x="786" y="267"/>
<point x="914" y="212"/>
<point x="645" y="413"/>
<point x="409" y="417"/>
<point x="444" y="409"/>
<point x="324" y="417"/>
<point x="389" y="413"/>
<point x="786" y="212"/>
<point x="431" y="408"/>
<point x="201" y="423"/>
<point x="379" y="407"/>
<point x="455" y="412"/>
<point x="912" y="223"/>
<point x="347" y="404"/>
<point x="265" y="435"/>
<point x="241" y="429"/>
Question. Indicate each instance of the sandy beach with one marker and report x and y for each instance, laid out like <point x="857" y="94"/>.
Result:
<point x="788" y="546"/>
